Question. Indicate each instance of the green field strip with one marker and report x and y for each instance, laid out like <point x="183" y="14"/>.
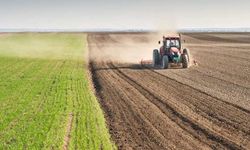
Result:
<point x="38" y="95"/>
<point x="14" y="79"/>
<point x="16" y="104"/>
<point x="40" y="109"/>
<point x="11" y="64"/>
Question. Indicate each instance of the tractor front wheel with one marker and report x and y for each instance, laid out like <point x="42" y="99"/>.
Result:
<point x="165" y="62"/>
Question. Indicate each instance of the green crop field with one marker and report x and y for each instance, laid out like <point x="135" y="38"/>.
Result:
<point x="45" y="98"/>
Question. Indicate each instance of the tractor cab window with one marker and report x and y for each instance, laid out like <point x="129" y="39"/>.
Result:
<point x="172" y="43"/>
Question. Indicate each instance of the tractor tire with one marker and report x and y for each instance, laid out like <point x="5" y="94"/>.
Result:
<point x="156" y="57"/>
<point x="165" y="62"/>
<point x="185" y="63"/>
<point x="186" y="51"/>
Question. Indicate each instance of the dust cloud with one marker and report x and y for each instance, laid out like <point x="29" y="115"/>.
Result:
<point x="126" y="48"/>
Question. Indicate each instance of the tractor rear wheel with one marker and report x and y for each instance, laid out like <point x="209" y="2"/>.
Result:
<point x="186" y="51"/>
<point x="165" y="62"/>
<point x="185" y="63"/>
<point x="156" y="57"/>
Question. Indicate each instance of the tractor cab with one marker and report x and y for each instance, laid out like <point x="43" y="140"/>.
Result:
<point x="169" y="42"/>
<point x="172" y="48"/>
<point x="171" y="52"/>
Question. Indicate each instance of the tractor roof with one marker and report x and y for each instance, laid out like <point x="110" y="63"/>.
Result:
<point x="171" y="37"/>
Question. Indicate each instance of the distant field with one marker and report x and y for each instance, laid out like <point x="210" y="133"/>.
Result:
<point x="45" y="99"/>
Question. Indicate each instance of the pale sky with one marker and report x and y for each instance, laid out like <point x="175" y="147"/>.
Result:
<point x="124" y="14"/>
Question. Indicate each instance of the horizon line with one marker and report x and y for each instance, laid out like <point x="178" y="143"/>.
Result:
<point x="193" y="29"/>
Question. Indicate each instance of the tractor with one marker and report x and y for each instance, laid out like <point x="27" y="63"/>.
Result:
<point x="171" y="52"/>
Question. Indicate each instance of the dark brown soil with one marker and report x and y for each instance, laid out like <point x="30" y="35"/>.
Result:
<point x="203" y="107"/>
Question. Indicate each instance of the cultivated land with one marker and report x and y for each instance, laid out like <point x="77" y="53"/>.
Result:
<point x="203" y="107"/>
<point x="45" y="98"/>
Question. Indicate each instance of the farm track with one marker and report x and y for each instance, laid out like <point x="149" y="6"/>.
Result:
<point x="204" y="107"/>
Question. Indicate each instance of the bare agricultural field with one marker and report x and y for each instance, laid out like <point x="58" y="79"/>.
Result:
<point x="45" y="99"/>
<point x="204" y="107"/>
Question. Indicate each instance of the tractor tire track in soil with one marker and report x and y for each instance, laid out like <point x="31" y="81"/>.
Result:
<point x="193" y="108"/>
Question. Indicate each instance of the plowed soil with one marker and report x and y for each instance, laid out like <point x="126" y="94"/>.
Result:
<point x="204" y="107"/>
